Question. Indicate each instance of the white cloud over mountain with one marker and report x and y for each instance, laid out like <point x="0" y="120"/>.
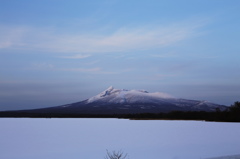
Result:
<point x="123" y="39"/>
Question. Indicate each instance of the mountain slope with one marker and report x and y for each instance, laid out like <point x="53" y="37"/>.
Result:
<point x="122" y="101"/>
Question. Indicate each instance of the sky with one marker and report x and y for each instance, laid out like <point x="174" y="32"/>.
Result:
<point x="55" y="52"/>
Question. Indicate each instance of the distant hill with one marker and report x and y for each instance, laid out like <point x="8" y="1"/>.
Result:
<point x="227" y="157"/>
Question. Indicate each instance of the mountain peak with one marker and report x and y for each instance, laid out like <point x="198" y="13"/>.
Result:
<point x="109" y="88"/>
<point x="107" y="91"/>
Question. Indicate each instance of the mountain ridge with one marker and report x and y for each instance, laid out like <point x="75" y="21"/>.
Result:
<point x="123" y="101"/>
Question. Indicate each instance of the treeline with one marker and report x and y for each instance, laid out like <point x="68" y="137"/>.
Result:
<point x="232" y="114"/>
<point x="23" y="114"/>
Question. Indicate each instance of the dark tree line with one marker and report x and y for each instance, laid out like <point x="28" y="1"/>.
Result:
<point x="231" y="114"/>
<point x="235" y="108"/>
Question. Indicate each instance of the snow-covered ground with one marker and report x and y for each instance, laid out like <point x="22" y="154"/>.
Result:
<point x="89" y="138"/>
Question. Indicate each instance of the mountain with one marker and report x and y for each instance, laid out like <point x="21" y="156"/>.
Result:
<point x="122" y="101"/>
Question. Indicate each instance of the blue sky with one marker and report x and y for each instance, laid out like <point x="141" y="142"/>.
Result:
<point x="55" y="52"/>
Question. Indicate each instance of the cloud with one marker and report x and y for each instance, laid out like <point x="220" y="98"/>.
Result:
<point x="123" y="39"/>
<point x="91" y="70"/>
<point x="162" y="76"/>
<point x="5" y="44"/>
<point x="79" y="56"/>
<point x="95" y="70"/>
<point x="165" y="55"/>
<point x="88" y="70"/>
<point x="48" y="66"/>
<point x="42" y="66"/>
<point x="11" y="36"/>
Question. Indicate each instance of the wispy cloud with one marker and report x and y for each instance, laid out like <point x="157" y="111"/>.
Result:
<point x="165" y="55"/>
<point x="123" y="39"/>
<point x="95" y="70"/>
<point x="5" y="44"/>
<point x="12" y="36"/>
<point x="78" y="56"/>
<point x="162" y="76"/>
<point x="86" y="70"/>
<point x="48" y="66"/>
<point x="42" y="66"/>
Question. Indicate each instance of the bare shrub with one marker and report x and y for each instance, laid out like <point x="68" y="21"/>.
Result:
<point x="116" y="155"/>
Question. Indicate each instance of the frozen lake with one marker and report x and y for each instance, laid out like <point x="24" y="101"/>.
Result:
<point x="89" y="138"/>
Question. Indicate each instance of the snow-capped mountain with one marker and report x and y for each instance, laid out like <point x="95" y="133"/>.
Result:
<point x="122" y="101"/>
<point x="123" y="96"/>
